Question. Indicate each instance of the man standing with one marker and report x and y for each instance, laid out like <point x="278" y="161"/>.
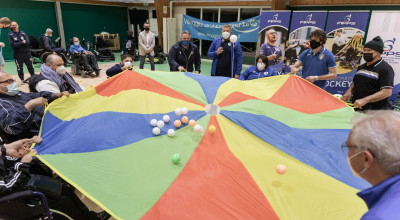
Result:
<point x="49" y="46"/>
<point x="184" y="54"/>
<point x="270" y="49"/>
<point x="374" y="155"/>
<point x="227" y="56"/>
<point x="147" y="42"/>
<point x="318" y="62"/>
<point x="89" y="59"/>
<point x="4" y="24"/>
<point x="19" y="42"/>
<point x="373" y="82"/>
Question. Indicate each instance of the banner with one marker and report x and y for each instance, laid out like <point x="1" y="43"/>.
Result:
<point x="386" y="24"/>
<point x="272" y="37"/>
<point x="345" y="32"/>
<point x="302" y="24"/>
<point x="246" y="30"/>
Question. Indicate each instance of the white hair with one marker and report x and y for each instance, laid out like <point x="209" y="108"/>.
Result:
<point x="48" y="30"/>
<point x="379" y="132"/>
<point x="270" y="31"/>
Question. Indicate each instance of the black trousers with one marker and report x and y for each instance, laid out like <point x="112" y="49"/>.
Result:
<point x="20" y="59"/>
<point x="90" y="61"/>
<point x="62" y="53"/>
<point x="69" y="204"/>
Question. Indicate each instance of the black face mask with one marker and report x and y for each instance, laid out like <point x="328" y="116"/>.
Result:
<point x="314" y="44"/>
<point x="146" y="29"/>
<point x="368" y="57"/>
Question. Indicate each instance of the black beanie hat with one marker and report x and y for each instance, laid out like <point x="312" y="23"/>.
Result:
<point x="375" y="44"/>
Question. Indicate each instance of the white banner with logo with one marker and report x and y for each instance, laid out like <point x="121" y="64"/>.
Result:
<point x="386" y="24"/>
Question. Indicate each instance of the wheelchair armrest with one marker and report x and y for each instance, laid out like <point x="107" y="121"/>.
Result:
<point x="37" y="50"/>
<point x="15" y="196"/>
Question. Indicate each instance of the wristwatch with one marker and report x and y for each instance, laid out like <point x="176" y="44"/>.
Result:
<point x="3" y="151"/>
<point x="316" y="78"/>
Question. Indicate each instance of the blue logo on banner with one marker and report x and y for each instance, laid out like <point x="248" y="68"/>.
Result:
<point x="346" y="21"/>
<point x="389" y="44"/>
<point x="308" y="20"/>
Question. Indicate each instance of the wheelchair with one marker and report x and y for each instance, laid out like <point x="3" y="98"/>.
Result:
<point x="77" y="66"/>
<point x="102" y="51"/>
<point x="130" y="47"/>
<point x="159" y="56"/>
<point x="39" y="54"/>
<point x="349" y="58"/>
<point x="25" y="205"/>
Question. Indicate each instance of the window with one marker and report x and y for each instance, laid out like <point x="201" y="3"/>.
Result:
<point x="229" y="15"/>
<point x="193" y="12"/>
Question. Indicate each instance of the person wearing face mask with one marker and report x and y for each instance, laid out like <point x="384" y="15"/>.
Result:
<point x="88" y="58"/>
<point x="374" y="155"/>
<point x="126" y="63"/>
<point x="54" y="78"/>
<point x="318" y="62"/>
<point x="184" y="54"/>
<point x="260" y="70"/>
<point x="4" y="24"/>
<point x="373" y="81"/>
<point x="49" y="46"/>
<point x="146" y="45"/>
<point x="21" y="113"/>
<point x="227" y="56"/>
<point x="19" y="42"/>
<point x="271" y="49"/>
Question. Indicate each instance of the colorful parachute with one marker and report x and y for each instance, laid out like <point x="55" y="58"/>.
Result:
<point x="101" y="141"/>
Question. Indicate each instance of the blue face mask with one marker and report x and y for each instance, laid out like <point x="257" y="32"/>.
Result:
<point x="12" y="89"/>
<point x="185" y="43"/>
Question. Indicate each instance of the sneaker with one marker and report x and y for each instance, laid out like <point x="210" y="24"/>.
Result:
<point x="103" y="215"/>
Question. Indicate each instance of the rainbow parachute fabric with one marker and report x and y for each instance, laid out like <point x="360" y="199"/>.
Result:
<point x="101" y="142"/>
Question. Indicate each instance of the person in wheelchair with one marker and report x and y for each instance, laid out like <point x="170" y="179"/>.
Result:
<point x="339" y="41"/>
<point x="88" y="58"/>
<point x="130" y="45"/>
<point x="16" y="177"/>
<point x="49" y="45"/>
<point x="54" y="78"/>
<point x="126" y="63"/>
<point x="352" y="51"/>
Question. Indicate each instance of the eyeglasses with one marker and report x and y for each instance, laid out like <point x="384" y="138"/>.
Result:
<point x="344" y="145"/>
<point x="9" y="81"/>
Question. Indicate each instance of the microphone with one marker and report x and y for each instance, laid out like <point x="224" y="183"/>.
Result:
<point x="222" y="43"/>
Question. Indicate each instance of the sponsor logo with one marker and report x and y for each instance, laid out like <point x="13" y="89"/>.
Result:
<point x="308" y="20"/>
<point x="346" y="21"/>
<point x="274" y="19"/>
<point x="389" y="54"/>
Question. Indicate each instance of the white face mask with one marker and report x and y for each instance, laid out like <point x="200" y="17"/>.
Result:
<point x="128" y="64"/>
<point x="61" y="70"/>
<point x="76" y="43"/>
<point x="226" y="35"/>
<point x="260" y="66"/>
<point x="352" y="170"/>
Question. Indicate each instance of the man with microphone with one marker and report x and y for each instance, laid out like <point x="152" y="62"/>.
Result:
<point x="227" y="55"/>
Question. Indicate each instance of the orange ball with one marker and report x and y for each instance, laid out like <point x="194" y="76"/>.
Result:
<point x="192" y="123"/>
<point x="185" y="119"/>
<point x="177" y="123"/>
<point x="280" y="169"/>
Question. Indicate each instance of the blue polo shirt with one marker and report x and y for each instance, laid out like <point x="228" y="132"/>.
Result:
<point x="317" y="65"/>
<point x="383" y="200"/>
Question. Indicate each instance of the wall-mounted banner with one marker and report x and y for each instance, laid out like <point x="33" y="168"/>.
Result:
<point x="246" y="30"/>
<point x="345" y="32"/>
<point x="302" y="24"/>
<point x="272" y="37"/>
<point x="386" y="24"/>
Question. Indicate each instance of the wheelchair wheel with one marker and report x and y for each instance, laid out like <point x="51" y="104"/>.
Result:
<point x="75" y="69"/>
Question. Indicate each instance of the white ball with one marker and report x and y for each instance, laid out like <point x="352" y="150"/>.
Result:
<point x="153" y="122"/>
<point x="185" y="110"/>
<point x="178" y="111"/>
<point x="233" y="38"/>
<point x="198" y="129"/>
<point x="156" y="131"/>
<point x="160" y="124"/>
<point x="166" y="118"/>
<point x="171" y="132"/>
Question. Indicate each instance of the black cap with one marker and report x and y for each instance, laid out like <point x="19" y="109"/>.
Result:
<point x="375" y="44"/>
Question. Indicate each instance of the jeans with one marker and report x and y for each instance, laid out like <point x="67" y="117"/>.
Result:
<point x="142" y="59"/>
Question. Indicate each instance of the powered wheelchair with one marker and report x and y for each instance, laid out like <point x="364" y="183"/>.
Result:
<point x="78" y="66"/>
<point x="39" y="54"/>
<point x="131" y="46"/>
<point x="102" y="51"/>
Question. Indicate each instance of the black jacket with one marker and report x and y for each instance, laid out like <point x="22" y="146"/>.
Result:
<point x="114" y="70"/>
<point x="47" y="43"/>
<point x="14" y="178"/>
<point x="16" y="41"/>
<point x="177" y="57"/>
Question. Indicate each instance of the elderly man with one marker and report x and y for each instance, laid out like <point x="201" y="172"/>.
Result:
<point x="49" y="46"/>
<point x="373" y="82"/>
<point x="19" y="42"/>
<point x="374" y="155"/>
<point x="270" y="49"/>
<point x="4" y="24"/>
<point x="21" y="113"/>
<point x="184" y="54"/>
<point x="54" y="78"/>
<point x="126" y="63"/>
<point x="146" y="44"/>
<point x="89" y="59"/>
<point x="318" y="62"/>
<point x="227" y="56"/>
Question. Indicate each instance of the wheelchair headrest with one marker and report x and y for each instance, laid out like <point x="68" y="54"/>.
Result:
<point x="34" y="43"/>
<point x="100" y="42"/>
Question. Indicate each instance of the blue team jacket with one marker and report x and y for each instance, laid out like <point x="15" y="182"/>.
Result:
<point x="236" y="56"/>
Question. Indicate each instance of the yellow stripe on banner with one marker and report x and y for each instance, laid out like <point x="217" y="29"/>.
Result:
<point x="128" y="101"/>
<point x="303" y="192"/>
<point x="263" y="88"/>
